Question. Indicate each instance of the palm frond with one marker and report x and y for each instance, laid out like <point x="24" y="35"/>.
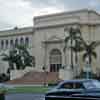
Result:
<point x="77" y="49"/>
<point x="64" y="48"/>
<point x="85" y="55"/>
<point x="78" y="31"/>
<point x="94" y="44"/>
<point x="67" y="39"/>
<point x="5" y="57"/>
<point x="94" y="54"/>
<point x="3" y="54"/>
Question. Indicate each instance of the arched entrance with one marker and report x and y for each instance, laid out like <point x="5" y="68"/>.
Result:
<point x="55" y="60"/>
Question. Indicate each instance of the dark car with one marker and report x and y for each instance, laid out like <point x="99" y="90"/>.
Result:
<point x="75" y="90"/>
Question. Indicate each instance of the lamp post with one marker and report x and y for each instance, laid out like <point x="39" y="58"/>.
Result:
<point x="45" y="75"/>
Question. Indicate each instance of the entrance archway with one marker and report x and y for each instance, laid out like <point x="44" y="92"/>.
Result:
<point x="55" y="60"/>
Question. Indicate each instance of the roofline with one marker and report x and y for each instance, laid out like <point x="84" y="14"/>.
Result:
<point x="94" y="11"/>
<point x="7" y="30"/>
<point x="69" y="12"/>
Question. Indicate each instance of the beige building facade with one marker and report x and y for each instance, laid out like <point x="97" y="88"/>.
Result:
<point x="46" y="39"/>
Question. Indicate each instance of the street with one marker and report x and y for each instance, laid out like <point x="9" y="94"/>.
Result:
<point x="25" y="96"/>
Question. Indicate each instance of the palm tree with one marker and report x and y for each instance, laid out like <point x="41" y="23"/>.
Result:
<point x="9" y="58"/>
<point x="78" y="47"/>
<point x="73" y="36"/>
<point x="18" y="56"/>
<point x="90" y="50"/>
<point x="26" y="58"/>
<point x="89" y="53"/>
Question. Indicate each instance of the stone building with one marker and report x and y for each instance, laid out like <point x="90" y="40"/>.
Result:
<point x="45" y="39"/>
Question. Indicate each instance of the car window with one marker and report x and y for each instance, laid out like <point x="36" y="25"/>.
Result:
<point x="72" y="86"/>
<point x="97" y="84"/>
<point x="67" y="86"/>
<point x="89" y="85"/>
<point x="92" y="84"/>
<point x="78" y="86"/>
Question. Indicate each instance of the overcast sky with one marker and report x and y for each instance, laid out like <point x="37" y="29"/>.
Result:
<point x="21" y="12"/>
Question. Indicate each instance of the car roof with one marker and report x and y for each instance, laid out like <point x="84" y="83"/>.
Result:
<point x="77" y="81"/>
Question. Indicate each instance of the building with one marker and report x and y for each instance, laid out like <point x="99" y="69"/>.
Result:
<point x="45" y="39"/>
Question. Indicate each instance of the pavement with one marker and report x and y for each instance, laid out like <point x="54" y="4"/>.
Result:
<point x="24" y="96"/>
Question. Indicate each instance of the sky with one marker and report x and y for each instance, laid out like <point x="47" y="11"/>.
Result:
<point x="20" y="13"/>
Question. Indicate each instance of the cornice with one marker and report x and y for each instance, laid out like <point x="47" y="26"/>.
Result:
<point x="16" y="32"/>
<point x="61" y="25"/>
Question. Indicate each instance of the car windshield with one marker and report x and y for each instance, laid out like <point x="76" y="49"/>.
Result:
<point x="92" y="84"/>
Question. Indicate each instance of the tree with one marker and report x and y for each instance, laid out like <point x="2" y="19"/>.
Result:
<point x="73" y="36"/>
<point x="18" y="56"/>
<point x="9" y="58"/>
<point x="25" y="58"/>
<point x="77" y="48"/>
<point x="90" y="53"/>
<point x="90" y="50"/>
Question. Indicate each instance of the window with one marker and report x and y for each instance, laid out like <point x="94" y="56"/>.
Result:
<point x="16" y="42"/>
<point x="27" y="41"/>
<point x="2" y="44"/>
<point x="6" y="43"/>
<point x="11" y="43"/>
<point x="21" y="40"/>
<point x="78" y="86"/>
<point x="92" y="84"/>
<point x="71" y="85"/>
<point x="67" y="86"/>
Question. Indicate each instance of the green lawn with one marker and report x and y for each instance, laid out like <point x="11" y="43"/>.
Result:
<point x="27" y="89"/>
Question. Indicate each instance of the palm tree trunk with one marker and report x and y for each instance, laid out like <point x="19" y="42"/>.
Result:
<point x="71" y="54"/>
<point x="65" y="58"/>
<point x="90" y="59"/>
<point x="76" y="54"/>
<point x="89" y="67"/>
<point x="76" y="57"/>
<point x="76" y="63"/>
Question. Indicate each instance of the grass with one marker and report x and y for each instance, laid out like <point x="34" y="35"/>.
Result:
<point x="26" y="89"/>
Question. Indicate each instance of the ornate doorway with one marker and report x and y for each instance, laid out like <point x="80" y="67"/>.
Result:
<point x="55" y="60"/>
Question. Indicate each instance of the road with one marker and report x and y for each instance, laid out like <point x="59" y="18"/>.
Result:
<point x="25" y="96"/>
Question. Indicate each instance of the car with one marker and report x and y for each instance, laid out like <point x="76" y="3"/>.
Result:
<point x="82" y="89"/>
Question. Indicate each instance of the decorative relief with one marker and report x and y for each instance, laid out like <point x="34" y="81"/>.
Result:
<point x="54" y="38"/>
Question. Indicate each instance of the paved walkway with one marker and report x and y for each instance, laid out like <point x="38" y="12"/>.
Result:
<point x="25" y="96"/>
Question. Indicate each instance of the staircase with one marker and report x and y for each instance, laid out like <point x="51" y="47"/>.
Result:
<point x="36" y="78"/>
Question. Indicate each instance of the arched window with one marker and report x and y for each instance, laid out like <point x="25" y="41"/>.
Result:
<point x="21" y="40"/>
<point x="2" y="44"/>
<point x="16" y="42"/>
<point x="55" y="60"/>
<point x="11" y="43"/>
<point x="27" y="41"/>
<point x="6" y="42"/>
